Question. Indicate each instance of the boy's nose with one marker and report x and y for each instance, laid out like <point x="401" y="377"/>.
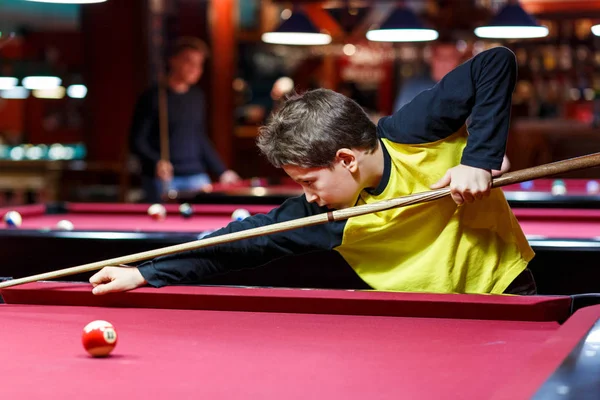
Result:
<point x="311" y="198"/>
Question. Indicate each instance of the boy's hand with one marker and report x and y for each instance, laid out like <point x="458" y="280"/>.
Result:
<point x="116" y="279"/>
<point x="466" y="183"/>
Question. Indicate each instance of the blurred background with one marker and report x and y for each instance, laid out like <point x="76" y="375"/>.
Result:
<point x="70" y="76"/>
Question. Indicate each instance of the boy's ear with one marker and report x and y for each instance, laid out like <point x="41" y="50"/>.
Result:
<point x="347" y="158"/>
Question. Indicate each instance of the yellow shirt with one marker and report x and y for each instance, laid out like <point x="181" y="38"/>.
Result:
<point x="437" y="246"/>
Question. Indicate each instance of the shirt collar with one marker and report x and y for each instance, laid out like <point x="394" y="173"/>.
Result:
<point x="387" y="168"/>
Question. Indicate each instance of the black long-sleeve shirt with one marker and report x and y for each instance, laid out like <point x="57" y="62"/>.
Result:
<point x="190" y="150"/>
<point x="383" y="251"/>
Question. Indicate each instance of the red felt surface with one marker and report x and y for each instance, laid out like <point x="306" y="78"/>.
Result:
<point x="211" y="354"/>
<point x="132" y="217"/>
<point x="559" y="223"/>
<point x="277" y="343"/>
<point x="546" y="223"/>
<point x="292" y="353"/>
<point x="548" y="356"/>
<point x="314" y="301"/>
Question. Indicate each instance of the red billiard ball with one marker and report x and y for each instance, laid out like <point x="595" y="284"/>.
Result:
<point x="99" y="338"/>
<point x="157" y="212"/>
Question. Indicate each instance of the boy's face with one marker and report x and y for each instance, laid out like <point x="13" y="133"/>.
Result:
<point x="188" y="65"/>
<point x="335" y="187"/>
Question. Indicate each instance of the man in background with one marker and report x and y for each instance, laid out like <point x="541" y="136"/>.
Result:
<point x="192" y="157"/>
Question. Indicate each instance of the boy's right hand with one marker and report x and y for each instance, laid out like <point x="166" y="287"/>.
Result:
<point x="116" y="279"/>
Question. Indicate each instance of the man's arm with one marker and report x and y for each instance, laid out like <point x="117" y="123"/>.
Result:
<point x="211" y="157"/>
<point x="481" y="88"/>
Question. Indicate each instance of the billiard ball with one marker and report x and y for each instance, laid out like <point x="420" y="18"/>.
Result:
<point x="185" y="210"/>
<point x="558" y="188"/>
<point x="99" y="338"/>
<point x="157" y="212"/>
<point x="65" y="225"/>
<point x="240" y="214"/>
<point x="592" y="187"/>
<point x="13" y="219"/>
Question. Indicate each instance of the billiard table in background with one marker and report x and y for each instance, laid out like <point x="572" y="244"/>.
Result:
<point x="250" y="343"/>
<point x="249" y="191"/>
<point x="535" y="194"/>
<point x="538" y="194"/>
<point x="566" y="242"/>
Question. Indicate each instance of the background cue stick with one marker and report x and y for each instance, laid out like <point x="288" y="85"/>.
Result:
<point x="573" y="164"/>
<point x="163" y="120"/>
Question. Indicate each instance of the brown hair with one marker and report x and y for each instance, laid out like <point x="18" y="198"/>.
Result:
<point x="191" y="43"/>
<point x="309" y="129"/>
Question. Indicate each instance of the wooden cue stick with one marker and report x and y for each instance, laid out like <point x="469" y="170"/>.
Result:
<point x="163" y="123"/>
<point x="574" y="164"/>
<point x="163" y="118"/>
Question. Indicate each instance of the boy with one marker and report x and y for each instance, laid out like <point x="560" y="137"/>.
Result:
<point x="326" y="142"/>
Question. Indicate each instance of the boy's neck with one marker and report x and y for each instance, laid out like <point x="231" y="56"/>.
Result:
<point x="177" y="85"/>
<point x="372" y="167"/>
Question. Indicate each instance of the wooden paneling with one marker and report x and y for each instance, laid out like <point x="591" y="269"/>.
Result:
<point x="560" y="6"/>
<point x="223" y="26"/>
<point x="115" y="70"/>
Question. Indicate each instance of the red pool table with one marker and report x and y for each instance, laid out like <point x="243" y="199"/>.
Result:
<point x="249" y="191"/>
<point x="98" y="217"/>
<point x="538" y="194"/>
<point x="535" y="194"/>
<point x="566" y="241"/>
<point x="250" y="343"/>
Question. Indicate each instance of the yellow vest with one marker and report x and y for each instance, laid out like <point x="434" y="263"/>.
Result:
<point x="438" y="246"/>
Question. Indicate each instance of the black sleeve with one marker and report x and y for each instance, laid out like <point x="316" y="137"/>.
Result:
<point x="480" y="88"/>
<point x="193" y="266"/>
<point x="141" y="128"/>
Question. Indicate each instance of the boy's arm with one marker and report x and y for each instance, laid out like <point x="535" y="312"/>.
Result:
<point x="193" y="266"/>
<point x="480" y="88"/>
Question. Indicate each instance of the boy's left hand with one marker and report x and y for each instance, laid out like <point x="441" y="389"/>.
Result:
<point x="466" y="183"/>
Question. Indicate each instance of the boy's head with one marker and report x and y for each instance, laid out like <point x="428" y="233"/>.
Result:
<point x="320" y="139"/>
<point x="186" y="60"/>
